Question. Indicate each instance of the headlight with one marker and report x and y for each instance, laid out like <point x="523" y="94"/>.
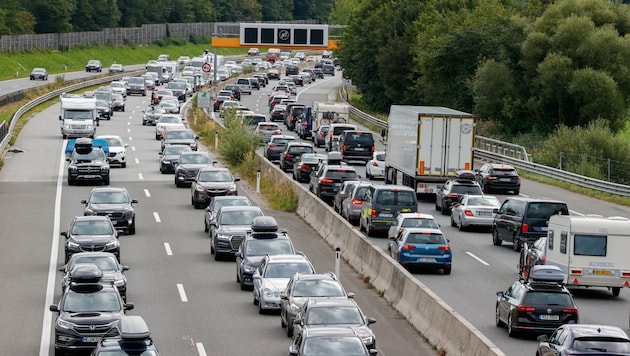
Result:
<point x="72" y="168"/>
<point x="200" y="188"/>
<point x="270" y="293"/>
<point x="88" y="212"/>
<point x="367" y="340"/>
<point x="104" y="168"/>
<point x="113" y="244"/>
<point x="89" y="126"/>
<point x="64" y="324"/>
<point x="223" y="236"/>
<point x="249" y="269"/>
<point x="72" y="245"/>
<point x="232" y="188"/>
<point x="66" y="126"/>
<point x="166" y="161"/>
<point x="119" y="282"/>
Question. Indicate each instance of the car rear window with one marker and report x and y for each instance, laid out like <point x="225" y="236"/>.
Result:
<point x="341" y="174"/>
<point x="466" y="189"/>
<point x="392" y="197"/>
<point x="545" y="210"/>
<point x="300" y="149"/>
<point x="510" y="172"/>
<point x="610" y="344"/>
<point x="426" y="238"/>
<point x="547" y="298"/>
<point x="423" y="223"/>
<point x="363" y="138"/>
<point x="337" y="130"/>
<point x="380" y="157"/>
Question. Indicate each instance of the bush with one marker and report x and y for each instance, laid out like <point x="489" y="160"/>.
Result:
<point x="237" y="141"/>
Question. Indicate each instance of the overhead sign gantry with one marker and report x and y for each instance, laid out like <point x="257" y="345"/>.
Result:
<point x="268" y="35"/>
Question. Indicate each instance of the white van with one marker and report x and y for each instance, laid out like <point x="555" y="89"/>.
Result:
<point x="591" y="250"/>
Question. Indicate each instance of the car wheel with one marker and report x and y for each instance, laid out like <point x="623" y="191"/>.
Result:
<point x="124" y="165"/>
<point x="453" y="224"/>
<point x="360" y="224"/>
<point x="510" y="327"/>
<point x="497" y="317"/>
<point x="282" y="323"/>
<point x="177" y="184"/>
<point x="460" y="224"/>
<point x="260" y="308"/>
<point x="243" y="286"/>
<point x="368" y="230"/>
<point x="144" y="123"/>
<point x="517" y="192"/>
<point x="106" y="180"/>
<point x="495" y="238"/>
<point x="616" y="291"/>
<point x="447" y="269"/>
<point x="444" y="209"/>
<point x="70" y="181"/>
<point x="217" y="256"/>
<point x="255" y="301"/>
<point x="290" y="331"/>
<point x="437" y="208"/>
<point x="59" y="352"/>
<point x="206" y="228"/>
<point x="516" y="244"/>
<point x="132" y="228"/>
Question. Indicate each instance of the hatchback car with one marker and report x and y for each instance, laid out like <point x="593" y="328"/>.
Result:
<point x="474" y="210"/>
<point x="189" y="164"/>
<point x="112" y="270"/>
<point x="412" y="220"/>
<point x="151" y="115"/>
<point x="327" y="181"/>
<point x="292" y="152"/>
<point x="421" y="247"/>
<point x="39" y="73"/>
<point x="303" y="287"/>
<point x="94" y="65"/>
<point x="351" y="206"/>
<point x="229" y="228"/>
<point x="276" y="145"/>
<point x="209" y="182"/>
<point x="277" y="112"/>
<point x="343" y="193"/>
<point x="217" y="202"/>
<point x="167" y="122"/>
<point x="375" y="167"/>
<point x="169" y="157"/>
<point x="584" y="339"/>
<point x="265" y="130"/>
<point x="118" y="102"/>
<point x="495" y="177"/>
<point x="329" y="340"/>
<point x="538" y="304"/>
<point x="463" y="183"/>
<point x="91" y="233"/>
<point x="319" y="137"/>
<point x="115" y="203"/>
<point x="303" y="167"/>
<point x="272" y="277"/>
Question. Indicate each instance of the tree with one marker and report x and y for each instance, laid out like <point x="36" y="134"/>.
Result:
<point x="52" y="16"/>
<point x="341" y="11"/>
<point x="276" y="10"/>
<point x="95" y="15"/>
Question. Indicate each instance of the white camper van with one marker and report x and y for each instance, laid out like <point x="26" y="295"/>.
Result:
<point x="591" y="250"/>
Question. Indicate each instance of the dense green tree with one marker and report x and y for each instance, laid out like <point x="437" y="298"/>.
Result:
<point x="95" y="15"/>
<point x="276" y="10"/>
<point x="132" y="12"/>
<point x="52" y="16"/>
<point x="15" y="19"/>
<point x="341" y="11"/>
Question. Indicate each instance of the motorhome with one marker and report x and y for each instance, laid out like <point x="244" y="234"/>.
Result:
<point x="590" y="250"/>
<point x="78" y="116"/>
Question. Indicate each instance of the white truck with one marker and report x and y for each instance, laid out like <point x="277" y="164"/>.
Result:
<point x="78" y="116"/>
<point x="329" y="113"/>
<point x="591" y="250"/>
<point x="426" y="145"/>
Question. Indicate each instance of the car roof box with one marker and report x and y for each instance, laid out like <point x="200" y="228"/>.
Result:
<point x="86" y="273"/>
<point x="465" y="175"/>
<point x="133" y="327"/>
<point x="83" y="145"/>
<point x="264" y="224"/>
<point x="546" y="273"/>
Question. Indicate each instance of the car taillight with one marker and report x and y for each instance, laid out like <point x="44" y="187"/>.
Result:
<point x="344" y="148"/>
<point x="491" y="178"/>
<point x="321" y="134"/>
<point x="444" y="248"/>
<point x="356" y="201"/>
<point x="304" y="166"/>
<point x="571" y="310"/>
<point x="374" y="164"/>
<point x="327" y="181"/>
<point x="277" y="132"/>
<point x="452" y="195"/>
<point x="272" y="145"/>
<point x="468" y="212"/>
<point x="287" y="155"/>
<point x="525" y="309"/>
<point x="258" y="132"/>
<point x="544" y="260"/>
<point x="524" y="228"/>
<point x="372" y="149"/>
<point x="408" y="247"/>
<point x="373" y="213"/>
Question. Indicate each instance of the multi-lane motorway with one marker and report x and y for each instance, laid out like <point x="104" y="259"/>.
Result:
<point x="191" y="302"/>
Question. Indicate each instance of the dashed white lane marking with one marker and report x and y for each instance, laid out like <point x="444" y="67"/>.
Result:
<point x="156" y="216"/>
<point x="147" y="194"/>
<point x="137" y="161"/>
<point x="182" y="293"/>
<point x="477" y="258"/>
<point x="133" y="148"/>
<point x="140" y="176"/>
<point x="167" y="247"/>
<point x="200" y="349"/>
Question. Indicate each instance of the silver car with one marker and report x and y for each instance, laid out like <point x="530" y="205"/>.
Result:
<point x="228" y="229"/>
<point x="352" y="205"/>
<point x="474" y="210"/>
<point x="412" y="220"/>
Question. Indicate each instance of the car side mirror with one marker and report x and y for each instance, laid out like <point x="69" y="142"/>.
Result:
<point x="371" y="321"/>
<point x="84" y="201"/>
<point x="495" y="211"/>
<point x="125" y="268"/>
<point x="284" y="296"/>
<point x="237" y="179"/>
<point x="256" y="276"/>
<point x="53" y="308"/>
<point x="351" y="295"/>
<point x="238" y="254"/>
<point x="59" y="117"/>
<point x="500" y="294"/>
<point x="297" y="321"/>
<point x="293" y="353"/>
<point x="62" y="269"/>
<point x="64" y="234"/>
<point x="542" y="338"/>
<point x="129" y="306"/>
<point x="134" y="201"/>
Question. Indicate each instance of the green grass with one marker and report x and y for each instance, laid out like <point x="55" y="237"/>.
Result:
<point x="57" y="62"/>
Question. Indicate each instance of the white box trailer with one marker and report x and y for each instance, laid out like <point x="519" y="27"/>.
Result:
<point x="591" y="250"/>
<point x="426" y="145"/>
<point x="329" y="113"/>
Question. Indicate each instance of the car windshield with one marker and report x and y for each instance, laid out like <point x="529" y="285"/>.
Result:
<point x="333" y="345"/>
<point x="613" y="345"/>
<point x="136" y="80"/>
<point x="92" y="227"/>
<point x="466" y="189"/>
<point x="215" y="176"/>
<point x="176" y="85"/>
<point x="114" y="142"/>
<point x="104" y="263"/>
<point x="218" y="204"/>
<point x="103" y="301"/>
<point x="176" y="149"/>
<point x="425" y="238"/>
<point x="334" y="315"/>
<point x="545" y="298"/>
<point x="363" y="138"/>
<point x="318" y="288"/>
<point x="170" y="120"/>
<point x="380" y="157"/>
<point x="420" y="222"/>
<point x="506" y="172"/>
<point x="109" y="198"/>
<point x="94" y="155"/>
<point x="242" y="217"/>
<point x="194" y="159"/>
<point x="486" y="201"/>
<point x="117" y="85"/>
<point x="268" y="247"/>
<point x="101" y="104"/>
<point x="180" y="135"/>
<point x="286" y="270"/>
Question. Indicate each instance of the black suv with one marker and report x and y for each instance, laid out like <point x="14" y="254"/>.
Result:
<point x="522" y="219"/>
<point x="91" y="233"/>
<point x="327" y="181"/>
<point x="114" y="203"/>
<point x="228" y="230"/>
<point x="133" y="338"/>
<point x="498" y="177"/>
<point x="292" y="152"/>
<point x="236" y="91"/>
<point x="463" y="183"/>
<point x="87" y="163"/>
<point x="356" y="145"/>
<point x="264" y="238"/>
<point x="188" y="165"/>
<point x="541" y="303"/>
<point x="88" y="312"/>
<point x="291" y="70"/>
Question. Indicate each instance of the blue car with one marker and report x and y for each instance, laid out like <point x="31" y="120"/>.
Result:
<point x="421" y="247"/>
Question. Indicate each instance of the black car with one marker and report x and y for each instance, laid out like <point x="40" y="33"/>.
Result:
<point x="496" y="177"/>
<point x="133" y="338"/>
<point x="178" y="89"/>
<point x="262" y="239"/>
<point x="540" y="304"/>
<point x="210" y="182"/>
<point x="303" y="167"/>
<point x="94" y="65"/>
<point x="106" y="262"/>
<point x="220" y="99"/>
<point x="273" y="74"/>
<point x="235" y="90"/>
<point x="188" y="166"/>
<point x="114" y="203"/>
<point x="151" y="115"/>
<point x="329" y="340"/>
<point x="319" y="73"/>
<point x="276" y="145"/>
<point x="179" y="137"/>
<point x="463" y="183"/>
<point x="277" y="112"/>
<point x="91" y="233"/>
<point x="87" y="163"/>
<point x="103" y="109"/>
<point x="217" y="202"/>
<point x="291" y="70"/>
<point x="327" y="181"/>
<point x="169" y="157"/>
<point x="292" y="153"/>
<point x="584" y="339"/>
<point x="228" y="230"/>
<point x="88" y="312"/>
<point x="356" y="145"/>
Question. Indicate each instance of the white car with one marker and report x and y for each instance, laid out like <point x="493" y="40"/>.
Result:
<point x="272" y="277"/>
<point x="300" y="55"/>
<point x="375" y="168"/>
<point x="119" y="88"/>
<point x="117" y="150"/>
<point x="188" y="71"/>
<point x="223" y="74"/>
<point x="167" y="122"/>
<point x="183" y="60"/>
<point x="412" y="220"/>
<point x="306" y="77"/>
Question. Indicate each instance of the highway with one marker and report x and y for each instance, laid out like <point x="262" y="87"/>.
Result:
<point x="191" y="302"/>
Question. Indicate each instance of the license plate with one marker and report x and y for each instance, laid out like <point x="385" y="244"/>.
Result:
<point x="90" y="176"/>
<point x="484" y="213"/>
<point x="505" y="179"/>
<point x="427" y="260"/>
<point x="602" y="272"/>
<point x="386" y="215"/>
<point x="543" y="228"/>
<point x="91" y="339"/>
<point x="549" y="317"/>
<point x="360" y="149"/>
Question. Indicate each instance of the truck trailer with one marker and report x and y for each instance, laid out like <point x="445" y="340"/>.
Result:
<point x="426" y="145"/>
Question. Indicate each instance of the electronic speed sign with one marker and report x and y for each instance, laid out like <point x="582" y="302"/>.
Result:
<point x="283" y="35"/>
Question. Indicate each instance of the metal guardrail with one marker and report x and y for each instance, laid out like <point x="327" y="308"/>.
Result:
<point x="51" y="95"/>
<point x="491" y="150"/>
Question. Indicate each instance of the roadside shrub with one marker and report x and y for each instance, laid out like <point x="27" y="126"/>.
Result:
<point x="237" y="141"/>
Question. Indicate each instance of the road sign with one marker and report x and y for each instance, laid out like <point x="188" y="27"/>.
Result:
<point x="204" y="100"/>
<point x="206" y="67"/>
<point x="283" y="35"/>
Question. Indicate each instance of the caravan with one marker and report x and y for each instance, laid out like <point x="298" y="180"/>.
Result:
<point x="590" y="250"/>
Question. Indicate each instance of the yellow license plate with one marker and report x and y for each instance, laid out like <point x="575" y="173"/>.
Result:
<point x="602" y="272"/>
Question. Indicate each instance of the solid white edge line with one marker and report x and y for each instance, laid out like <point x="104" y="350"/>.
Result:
<point x="156" y="216"/>
<point x="200" y="349"/>
<point x="167" y="247"/>
<point x="44" y="344"/>
<point x="477" y="258"/>
<point x="182" y="293"/>
<point x="147" y="194"/>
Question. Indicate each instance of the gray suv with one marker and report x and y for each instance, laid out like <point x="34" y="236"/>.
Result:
<point x="228" y="230"/>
